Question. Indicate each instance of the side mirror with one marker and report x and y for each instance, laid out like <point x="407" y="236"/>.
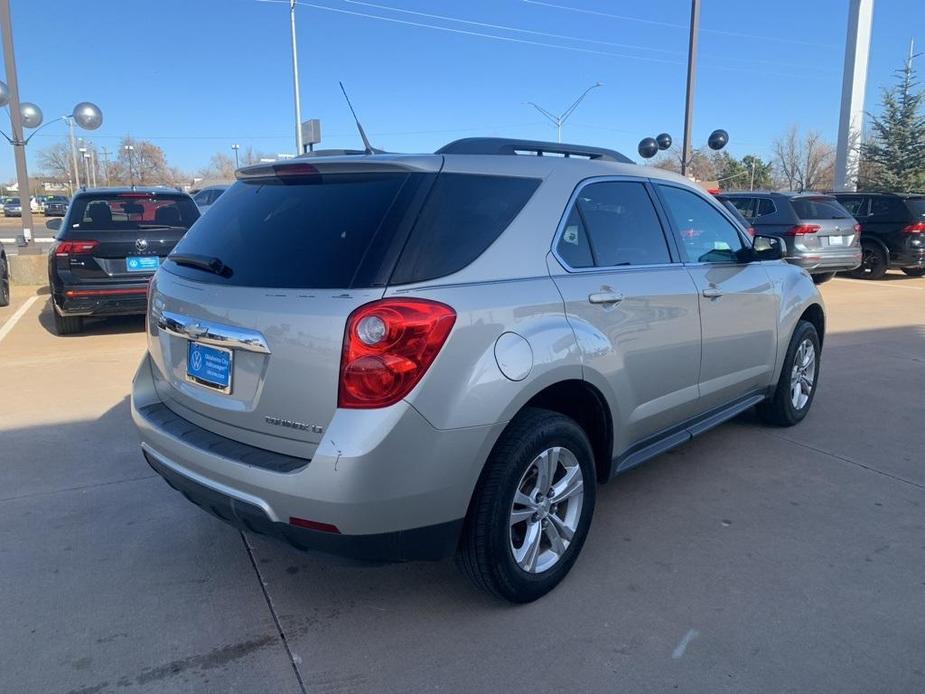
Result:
<point x="768" y="248"/>
<point x="54" y="224"/>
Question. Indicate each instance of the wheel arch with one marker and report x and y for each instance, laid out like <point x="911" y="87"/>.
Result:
<point x="815" y="315"/>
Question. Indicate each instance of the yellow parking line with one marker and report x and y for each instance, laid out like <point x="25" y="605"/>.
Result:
<point x="8" y="326"/>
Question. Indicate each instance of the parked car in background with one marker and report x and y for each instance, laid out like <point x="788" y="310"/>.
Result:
<point x="12" y="208"/>
<point x="206" y="197"/>
<point x="4" y="278"/>
<point x="55" y="205"/>
<point x="893" y="232"/>
<point x="446" y="353"/>
<point x="821" y="236"/>
<point x="108" y="245"/>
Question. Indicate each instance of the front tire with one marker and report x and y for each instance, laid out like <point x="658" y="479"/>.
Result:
<point x="914" y="271"/>
<point x="799" y="377"/>
<point x="532" y="508"/>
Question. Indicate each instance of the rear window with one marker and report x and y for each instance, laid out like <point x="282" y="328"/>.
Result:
<point x="132" y="211"/>
<point x="819" y="208"/>
<point x="916" y="207"/>
<point x="347" y="230"/>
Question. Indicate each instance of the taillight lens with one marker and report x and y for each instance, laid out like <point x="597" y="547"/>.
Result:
<point x="803" y="229"/>
<point x="66" y="248"/>
<point x="914" y="228"/>
<point x="388" y="346"/>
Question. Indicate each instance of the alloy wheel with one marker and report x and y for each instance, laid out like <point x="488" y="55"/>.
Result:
<point x="803" y="374"/>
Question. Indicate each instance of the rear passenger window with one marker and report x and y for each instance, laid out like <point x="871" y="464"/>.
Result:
<point x="889" y="208"/>
<point x="857" y="207"/>
<point x="462" y="217"/>
<point x="745" y="206"/>
<point x="706" y="235"/>
<point x="613" y="223"/>
<point x="765" y="206"/>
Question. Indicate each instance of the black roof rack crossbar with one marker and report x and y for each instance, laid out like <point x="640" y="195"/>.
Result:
<point x="503" y="145"/>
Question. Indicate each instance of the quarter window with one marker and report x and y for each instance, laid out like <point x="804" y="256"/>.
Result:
<point x="765" y="206"/>
<point x="613" y="223"/>
<point x="706" y="235"/>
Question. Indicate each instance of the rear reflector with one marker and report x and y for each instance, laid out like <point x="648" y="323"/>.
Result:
<point x="803" y="229"/>
<point x="915" y="228"/>
<point x="106" y="292"/>
<point x="313" y="525"/>
<point x="66" y="248"/>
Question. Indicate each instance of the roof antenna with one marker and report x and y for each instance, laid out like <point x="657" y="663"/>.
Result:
<point x="368" y="147"/>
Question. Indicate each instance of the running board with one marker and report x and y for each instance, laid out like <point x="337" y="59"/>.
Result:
<point x="674" y="437"/>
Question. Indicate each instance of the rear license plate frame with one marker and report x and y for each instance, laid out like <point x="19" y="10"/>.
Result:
<point x="212" y="361"/>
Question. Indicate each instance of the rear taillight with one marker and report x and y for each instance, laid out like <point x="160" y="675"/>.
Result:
<point x="803" y="229"/>
<point x="914" y="228"/>
<point x="66" y="248"/>
<point x="388" y="346"/>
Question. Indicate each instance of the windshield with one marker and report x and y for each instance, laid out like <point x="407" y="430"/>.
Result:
<point x="132" y="211"/>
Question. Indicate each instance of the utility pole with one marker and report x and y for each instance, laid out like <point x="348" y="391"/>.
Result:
<point x="691" y="81"/>
<point x="19" y="143"/>
<point x="70" y="125"/>
<point x="105" y="153"/>
<point x="295" y="80"/>
<point x="854" y="82"/>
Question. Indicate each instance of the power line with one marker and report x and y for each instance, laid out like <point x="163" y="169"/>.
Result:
<point x="599" y="13"/>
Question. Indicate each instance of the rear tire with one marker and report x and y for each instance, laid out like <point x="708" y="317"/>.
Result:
<point x="4" y="283"/>
<point x="790" y="402"/>
<point x="823" y="277"/>
<point x="874" y="262"/>
<point x="517" y="545"/>
<point x="67" y="325"/>
<point x="914" y="271"/>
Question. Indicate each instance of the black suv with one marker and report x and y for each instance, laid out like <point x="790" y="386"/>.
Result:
<point x="108" y="246"/>
<point x="819" y="233"/>
<point x="894" y="232"/>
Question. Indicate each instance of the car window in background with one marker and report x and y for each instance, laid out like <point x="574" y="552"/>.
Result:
<point x="857" y="207"/>
<point x="765" y="206"/>
<point x="917" y="207"/>
<point x="819" y="208"/>
<point x="888" y="208"/>
<point x="706" y="235"/>
<point x="132" y="211"/>
<point x="745" y="206"/>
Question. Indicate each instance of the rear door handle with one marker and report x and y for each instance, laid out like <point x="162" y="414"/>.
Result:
<point x="605" y="298"/>
<point x="712" y="293"/>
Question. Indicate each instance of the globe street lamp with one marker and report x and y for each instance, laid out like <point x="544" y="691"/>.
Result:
<point x="87" y="115"/>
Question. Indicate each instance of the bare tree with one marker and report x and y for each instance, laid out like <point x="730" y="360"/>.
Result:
<point x="701" y="166"/>
<point x="144" y="164"/>
<point x="805" y="163"/>
<point x="56" y="161"/>
<point x="221" y="167"/>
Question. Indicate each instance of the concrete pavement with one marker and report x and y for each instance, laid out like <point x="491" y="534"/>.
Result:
<point x="751" y="560"/>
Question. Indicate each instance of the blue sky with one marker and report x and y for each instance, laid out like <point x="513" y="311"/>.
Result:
<point x="195" y="76"/>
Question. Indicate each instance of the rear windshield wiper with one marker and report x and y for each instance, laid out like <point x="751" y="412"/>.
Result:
<point x="201" y="262"/>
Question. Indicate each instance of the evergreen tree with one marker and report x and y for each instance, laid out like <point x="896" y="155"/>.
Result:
<point x="894" y="157"/>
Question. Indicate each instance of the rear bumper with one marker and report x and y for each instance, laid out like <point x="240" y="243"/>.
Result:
<point x="101" y="300"/>
<point x="384" y="483"/>
<point x="827" y="262"/>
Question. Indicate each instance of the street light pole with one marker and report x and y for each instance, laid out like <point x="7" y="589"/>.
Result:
<point x="295" y="79"/>
<point x="691" y="80"/>
<point x="70" y="125"/>
<point x="129" y="149"/>
<point x="236" y="148"/>
<point x="19" y="144"/>
<point x="559" y="120"/>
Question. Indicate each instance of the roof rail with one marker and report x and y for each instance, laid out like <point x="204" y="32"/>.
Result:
<point x="508" y="146"/>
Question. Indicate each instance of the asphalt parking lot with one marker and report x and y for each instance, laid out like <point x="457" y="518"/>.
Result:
<point x="752" y="560"/>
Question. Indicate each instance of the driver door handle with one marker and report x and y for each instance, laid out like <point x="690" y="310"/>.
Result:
<point x="712" y="293"/>
<point x="605" y="298"/>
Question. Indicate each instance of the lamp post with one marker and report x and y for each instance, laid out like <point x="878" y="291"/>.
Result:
<point x="236" y="148"/>
<point x="130" y="151"/>
<point x="559" y="120"/>
<point x="295" y="79"/>
<point x="86" y="157"/>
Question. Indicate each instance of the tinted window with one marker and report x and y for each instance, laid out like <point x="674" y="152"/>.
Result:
<point x="890" y="209"/>
<point x="462" y="217"/>
<point x="765" y="206"/>
<point x="318" y="231"/>
<point x="856" y="207"/>
<point x="573" y="246"/>
<point x="819" y="208"/>
<point x="706" y="235"/>
<point x="916" y="207"/>
<point x="745" y="206"/>
<point x="131" y="211"/>
<point x="619" y="226"/>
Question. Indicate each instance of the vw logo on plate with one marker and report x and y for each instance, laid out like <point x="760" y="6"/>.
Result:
<point x="141" y="244"/>
<point x="197" y="361"/>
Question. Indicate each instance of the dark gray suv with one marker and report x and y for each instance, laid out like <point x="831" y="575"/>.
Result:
<point x="820" y="235"/>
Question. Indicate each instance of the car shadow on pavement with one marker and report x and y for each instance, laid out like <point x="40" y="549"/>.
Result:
<point x="114" y="325"/>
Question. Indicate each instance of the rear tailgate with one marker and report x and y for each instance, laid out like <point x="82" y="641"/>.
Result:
<point x="832" y="226"/>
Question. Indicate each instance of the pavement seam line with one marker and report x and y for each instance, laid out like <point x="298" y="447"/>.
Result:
<point x="77" y="489"/>
<point x="873" y="283"/>
<point x="7" y="327"/>
<point x="850" y="461"/>
<point x="269" y="601"/>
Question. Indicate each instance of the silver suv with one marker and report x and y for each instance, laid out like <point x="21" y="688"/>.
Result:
<point x="400" y="357"/>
